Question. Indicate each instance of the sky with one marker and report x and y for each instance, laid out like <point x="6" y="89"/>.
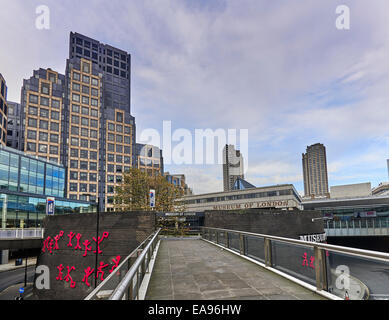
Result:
<point x="281" y="70"/>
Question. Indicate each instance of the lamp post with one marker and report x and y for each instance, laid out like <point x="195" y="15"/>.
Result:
<point x="97" y="230"/>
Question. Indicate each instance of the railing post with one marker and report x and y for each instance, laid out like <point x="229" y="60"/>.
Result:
<point x="320" y="269"/>
<point x="268" y="253"/>
<point x="227" y="240"/>
<point x="242" y="244"/>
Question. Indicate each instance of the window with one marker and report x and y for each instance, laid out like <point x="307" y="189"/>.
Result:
<point x="73" y="152"/>
<point x="74" y="142"/>
<point x="92" y="177"/>
<point x="111" y="126"/>
<point x="92" y="188"/>
<point x="84" y="132"/>
<point x="93" y="133"/>
<point x="31" y="146"/>
<point x="127" y="160"/>
<point x="75" y="108"/>
<point x="84" y="165"/>
<point x="119" y="158"/>
<point x="73" y="187"/>
<point x="75" y="119"/>
<point x="76" y="76"/>
<point x="111" y="157"/>
<point x="94" y="123"/>
<point x="55" y="115"/>
<point x="32" y="110"/>
<point x="42" y="148"/>
<point x="75" y="86"/>
<point x="33" y="99"/>
<point x="111" y="137"/>
<point x="43" y="124"/>
<point x="85" y="89"/>
<point x="94" y="113"/>
<point x="95" y="82"/>
<point x="43" y="136"/>
<point x="83" y="176"/>
<point x="93" y="144"/>
<point x="44" y="113"/>
<point x="83" y="187"/>
<point x="94" y="102"/>
<point x="53" y="149"/>
<point x="84" y="154"/>
<point x="74" y="164"/>
<point x="45" y="88"/>
<point x="76" y="97"/>
<point x="110" y="168"/>
<point x="84" y="143"/>
<point x="127" y="130"/>
<point x="45" y="101"/>
<point x="94" y="92"/>
<point x="84" y="121"/>
<point x="111" y="147"/>
<point x="85" y="100"/>
<point x="73" y="175"/>
<point x="111" y="178"/>
<point x="86" y="67"/>
<point x="54" y="126"/>
<point x="55" y="103"/>
<point x="54" y="138"/>
<point x="75" y="130"/>
<point x="119" y="148"/>
<point x="119" y="128"/>
<point x="119" y="117"/>
<point x="85" y="110"/>
<point x="93" y="165"/>
<point x="93" y="155"/>
<point x="110" y="189"/>
<point x="127" y="150"/>
<point x="31" y="134"/>
<point x="127" y="140"/>
<point x="119" y="138"/>
<point x="85" y="79"/>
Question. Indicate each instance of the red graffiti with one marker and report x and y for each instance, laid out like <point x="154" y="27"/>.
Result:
<point x="305" y="261"/>
<point x="60" y="274"/>
<point x="311" y="261"/>
<point x="116" y="263"/>
<point x="56" y="238"/>
<point x="78" y="237"/>
<point x="88" y="272"/>
<point x="99" y="240"/>
<point x="87" y="247"/>
<point x="68" y="277"/>
<point x="100" y="270"/>
<point x="70" y="235"/>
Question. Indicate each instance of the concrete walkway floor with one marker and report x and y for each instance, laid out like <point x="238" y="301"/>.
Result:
<point x="197" y="270"/>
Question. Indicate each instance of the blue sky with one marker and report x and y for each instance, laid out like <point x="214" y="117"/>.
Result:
<point x="280" y="69"/>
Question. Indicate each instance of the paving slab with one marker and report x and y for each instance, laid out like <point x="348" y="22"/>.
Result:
<point x="197" y="270"/>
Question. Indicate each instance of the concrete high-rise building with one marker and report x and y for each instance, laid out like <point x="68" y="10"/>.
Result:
<point x="42" y="122"/>
<point x="315" y="173"/>
<point x="232" y="166"/>
<point x="149" y="159"/>
<point x="13" y="126"/>
<point x="3" y="111"/>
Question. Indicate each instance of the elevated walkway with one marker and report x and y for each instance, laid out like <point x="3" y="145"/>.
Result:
<point x="194" y="269"/>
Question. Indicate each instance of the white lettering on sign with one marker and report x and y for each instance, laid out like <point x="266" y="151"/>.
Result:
<point x="322" y="237"/>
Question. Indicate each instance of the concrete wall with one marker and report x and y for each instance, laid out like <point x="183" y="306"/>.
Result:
<point x="351" y="190"/>
<point x="126" y="231"/>
<point x="289" y="224"/>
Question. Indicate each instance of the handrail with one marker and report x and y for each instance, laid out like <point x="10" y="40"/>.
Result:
<point x="21" y="233"/>
<point x="321" y="270"/>
<point x="125" y="283"/>
<point x="354" y="251"/>
<point x="132" y="254"/>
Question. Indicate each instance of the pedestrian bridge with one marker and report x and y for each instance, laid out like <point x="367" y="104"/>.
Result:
<point x="229" y="264"/>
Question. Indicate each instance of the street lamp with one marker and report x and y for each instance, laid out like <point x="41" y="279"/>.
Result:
<point x="97" y="229"/>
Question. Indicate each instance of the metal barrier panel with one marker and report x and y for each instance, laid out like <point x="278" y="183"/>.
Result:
<point x="295" y="260"/>
<point x="255" y="248"/>
<point x="234" y="241"/>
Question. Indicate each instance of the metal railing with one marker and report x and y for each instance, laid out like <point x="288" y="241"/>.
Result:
<point x="125" y="282"/>
<point x="21" y="233"/>
<point x="377" y="226"/>
<point x="332" y="271"/>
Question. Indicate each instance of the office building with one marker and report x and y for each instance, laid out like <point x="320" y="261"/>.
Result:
<point x="178" y="180"/>
<point x="232" y="166"/>
<point x="314" y="163"/>
<point x="41" y="115"/>
<point x="13" y="126"/>
<point x="3" y="111"/>
<point x="149" y="159"/>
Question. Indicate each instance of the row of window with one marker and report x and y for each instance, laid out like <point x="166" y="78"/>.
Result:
<point x="83" y="165"/>
<point x="85" y="110"/>
<point x="119" y="158"/>
<point x="119" y="138"/>
<point x="119" y="168"/>
<point x="85" y="79"/>
<point x="42" y="148"/>
<point x="43" y="136"/>
<point x="242" y="196"/>
<point x="44" y="101"/>
<point x="119" y="128"/>
<point x="44" y="113"/>
<point x="82" y="176"/>
<point x="84" y="132"/>
<point x="83" y="154"/>
<point x="85" y="100"/>
<point x="118" y="148"/>
<point x="85" y="89"/>
<point x="83" y="143"/>
<point x="84" y="121"/>
<point x="43" y="124"/>
<point x="82" y="187"/>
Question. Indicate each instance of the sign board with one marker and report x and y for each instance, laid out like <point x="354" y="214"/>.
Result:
<point x="321" y="237"/>
<point x="152" y="198"/>
<point x="21" y="290"/>
<point x="50" y="206"/>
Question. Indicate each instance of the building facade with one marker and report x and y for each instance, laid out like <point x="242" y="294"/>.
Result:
<point x="278" y="197"/>
<point x="13" y="126"/>
<point x="178" y="180"/>
<point x="314" y="163"/>
<point x="149" y="159"/>
<point x="232" y="167"/>
<point x="3" y="111"/>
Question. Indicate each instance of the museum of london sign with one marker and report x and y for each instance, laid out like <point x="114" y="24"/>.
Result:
<point x="253" y="204"/>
